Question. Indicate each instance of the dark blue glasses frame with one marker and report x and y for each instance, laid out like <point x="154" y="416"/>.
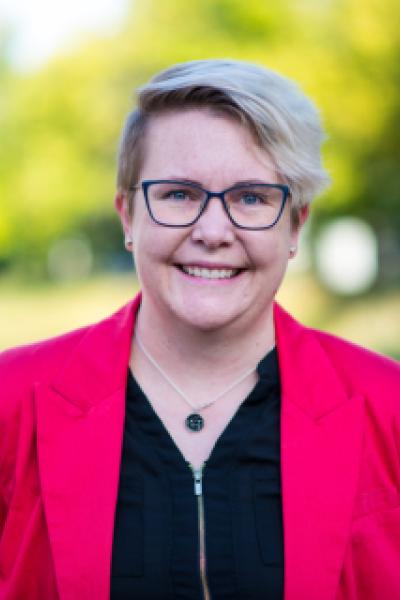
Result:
<point x="221" y="195"/>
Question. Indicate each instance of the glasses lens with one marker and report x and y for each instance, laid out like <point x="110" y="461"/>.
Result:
<point x="175" y="203"/>
<point x="255" y="205"/>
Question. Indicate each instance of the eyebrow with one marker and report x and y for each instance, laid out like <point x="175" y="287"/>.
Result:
<point x="196" y="182"/>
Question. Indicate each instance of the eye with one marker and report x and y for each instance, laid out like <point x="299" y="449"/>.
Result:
<point x="176" y="195"/>
<point x="180" y="194"/>
<point x="251" y="199"/>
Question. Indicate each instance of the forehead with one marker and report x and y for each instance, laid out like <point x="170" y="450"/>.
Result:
<point x="199" y="144"/>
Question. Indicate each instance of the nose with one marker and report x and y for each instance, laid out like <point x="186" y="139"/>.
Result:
<point x="214" y="228"/>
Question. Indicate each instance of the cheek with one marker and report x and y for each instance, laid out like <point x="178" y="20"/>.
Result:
<point x="269" y="258"/>
<point x="270" y="251"/>
<point x="153" y="246"/>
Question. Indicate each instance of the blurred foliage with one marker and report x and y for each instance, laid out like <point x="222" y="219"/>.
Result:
<point x="59" y="126"/>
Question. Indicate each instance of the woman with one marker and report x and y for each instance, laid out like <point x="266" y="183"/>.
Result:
<point x="200" y="443"/>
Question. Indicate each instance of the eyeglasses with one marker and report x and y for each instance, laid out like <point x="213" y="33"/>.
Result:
<point x="251" y="206"/>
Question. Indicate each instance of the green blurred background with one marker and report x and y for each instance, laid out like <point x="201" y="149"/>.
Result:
<point x="62" y="262"/>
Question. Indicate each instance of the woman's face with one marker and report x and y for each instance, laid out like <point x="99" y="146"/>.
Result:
<point x="217" y="153"/>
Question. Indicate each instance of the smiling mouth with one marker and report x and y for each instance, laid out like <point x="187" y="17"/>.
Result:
<point x="207" y="273"/>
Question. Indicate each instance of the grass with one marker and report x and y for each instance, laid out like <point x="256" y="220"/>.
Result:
<point x="30" y="313"/>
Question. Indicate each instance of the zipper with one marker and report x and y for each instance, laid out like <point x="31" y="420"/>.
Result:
<point x="198" y="492"/>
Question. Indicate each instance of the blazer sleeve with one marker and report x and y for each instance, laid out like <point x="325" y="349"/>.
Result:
<point x="11" y="392"/>
<point x="372" y="558"/>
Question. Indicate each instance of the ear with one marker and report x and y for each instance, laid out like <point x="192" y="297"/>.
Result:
<point x="121" y="206"/>
<point x="302" y="216"/>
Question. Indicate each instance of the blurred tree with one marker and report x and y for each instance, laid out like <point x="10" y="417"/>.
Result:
<point x="59" y="126"/>
<point x="6" y="79"/>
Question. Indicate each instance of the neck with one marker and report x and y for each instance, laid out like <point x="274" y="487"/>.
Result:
<point x="191" y="353"/>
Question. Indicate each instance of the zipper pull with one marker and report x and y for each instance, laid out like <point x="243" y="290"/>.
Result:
<point x="198" y="480"/>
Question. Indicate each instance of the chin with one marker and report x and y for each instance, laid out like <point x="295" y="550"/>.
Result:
<point x="208" y="319"/>
<point x="208" y="326"/>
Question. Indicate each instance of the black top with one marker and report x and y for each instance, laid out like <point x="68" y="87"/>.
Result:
<point x="156" y="535"/>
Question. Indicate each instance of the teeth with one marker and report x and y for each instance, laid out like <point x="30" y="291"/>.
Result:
<point x="210" y="273"/>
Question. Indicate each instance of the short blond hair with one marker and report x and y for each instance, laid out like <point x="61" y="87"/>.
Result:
<point x="283" y="121"/>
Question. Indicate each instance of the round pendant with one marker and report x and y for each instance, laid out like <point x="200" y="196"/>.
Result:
<point x="194" y="422"/>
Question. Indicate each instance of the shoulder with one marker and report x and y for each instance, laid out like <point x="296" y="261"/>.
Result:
<point x="357" y="370"/>
<point x="40" y="359"/>
<point x="37" y="359"/>
<point x="358" y="363"/>
<point x="23" y="366"/>
<point x="362" y="371"/>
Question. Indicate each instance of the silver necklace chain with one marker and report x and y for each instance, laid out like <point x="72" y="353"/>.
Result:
<point x="179" y="391"/>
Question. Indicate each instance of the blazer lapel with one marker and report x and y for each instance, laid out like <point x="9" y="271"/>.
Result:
<point x="80" y="419"/>
<point x="321" y="439"/>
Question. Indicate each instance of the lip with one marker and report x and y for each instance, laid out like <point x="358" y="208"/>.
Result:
<point x="207" y="265"/>
<point x="209" y="281"/>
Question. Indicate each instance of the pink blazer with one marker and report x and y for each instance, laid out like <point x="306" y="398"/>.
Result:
<point x="61" y="425"/>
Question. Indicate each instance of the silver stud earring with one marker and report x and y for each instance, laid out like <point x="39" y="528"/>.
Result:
<point x="292" y="250"/>
<point x="128" y="242"/>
